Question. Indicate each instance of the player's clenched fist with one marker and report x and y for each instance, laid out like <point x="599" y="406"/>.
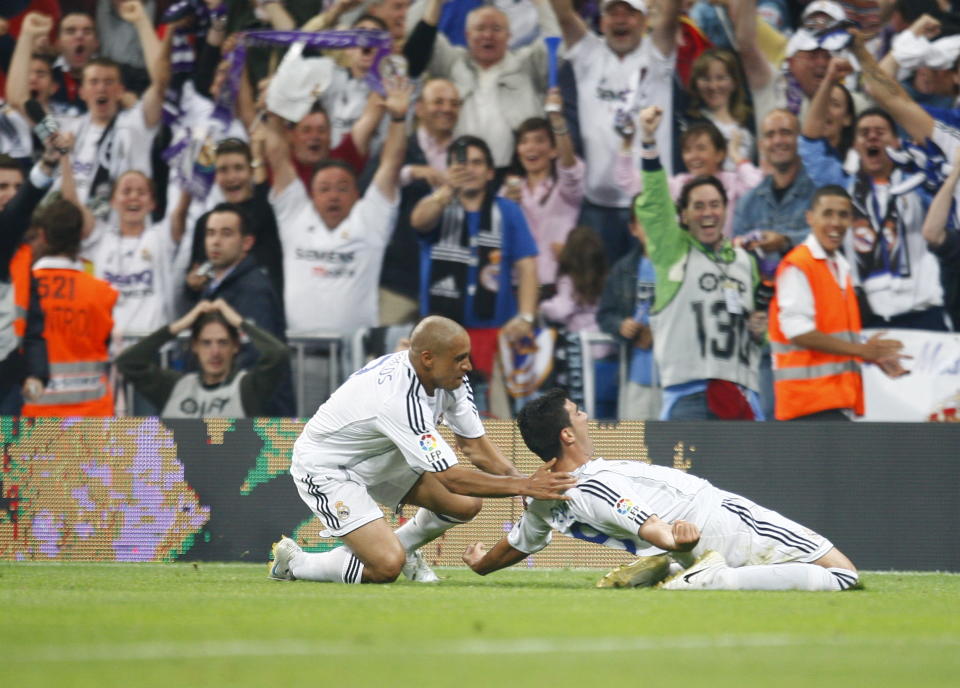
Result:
<point x="685" y="534"/>
<point x="473" y="554"/>
<point x="132" y="11"/>
<point x="650" y="120"/>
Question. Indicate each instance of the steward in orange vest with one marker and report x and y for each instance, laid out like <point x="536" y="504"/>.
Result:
<point x="817" y="370"/>
<point x="78" y="311"/>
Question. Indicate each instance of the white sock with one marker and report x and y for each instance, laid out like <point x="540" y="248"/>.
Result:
<point x="795" y="576"/>
<point x="422" y="528"/>
<point x="338" y="566"/>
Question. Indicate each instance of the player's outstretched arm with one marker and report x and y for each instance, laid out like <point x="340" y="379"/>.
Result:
<point x="679" y="536"/>
<point x="543" y="484"/>
<point x="500" y="557"/>
<point x="483" y="454"/>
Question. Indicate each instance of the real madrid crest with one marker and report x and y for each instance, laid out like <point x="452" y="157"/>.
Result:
<point x="343" y="511"/>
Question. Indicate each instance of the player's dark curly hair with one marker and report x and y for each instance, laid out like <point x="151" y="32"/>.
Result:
<point x="541" y="421"/>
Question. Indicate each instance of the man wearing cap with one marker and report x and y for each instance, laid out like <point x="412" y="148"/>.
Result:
<point x="619" y="72"/>
<point x="808" y="54"/>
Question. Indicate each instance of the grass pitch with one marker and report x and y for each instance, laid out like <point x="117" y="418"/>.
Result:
<point x="183" y="625"/>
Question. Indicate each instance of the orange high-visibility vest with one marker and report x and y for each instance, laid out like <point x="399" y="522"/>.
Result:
<point x="20" y="278"/>
<point x="78" y="315"/>
<point x="807" y="381"/>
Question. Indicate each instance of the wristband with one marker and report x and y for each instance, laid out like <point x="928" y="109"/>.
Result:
<point x="552" y="107"/>
<point x="648" y="145"/>
<point x="396" y="118"/>
<point x="560" y="132"/>
<point x="526" y="317"/>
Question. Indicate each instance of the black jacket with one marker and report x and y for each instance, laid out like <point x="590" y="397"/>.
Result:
<point x="250" y="292"/>
<point x="266" y="249"/>
<point x="31" y="358"/>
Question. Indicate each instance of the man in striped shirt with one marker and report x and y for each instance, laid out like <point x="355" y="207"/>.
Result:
<point x="664" y="515"/>
<point x="375" y="441"/>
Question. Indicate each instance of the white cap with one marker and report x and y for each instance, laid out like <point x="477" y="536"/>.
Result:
<point x="832" y="9"/>
<point x="801" y="41"/>
<point x="638" y="5"/>
<point x="297" y="83"/>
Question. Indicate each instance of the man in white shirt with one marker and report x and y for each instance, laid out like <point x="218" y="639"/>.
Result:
<point x="620" y="72"/>
<point x="649" y="510"/>
<point x="333" y="240"/>
<point x="375" y="441"/>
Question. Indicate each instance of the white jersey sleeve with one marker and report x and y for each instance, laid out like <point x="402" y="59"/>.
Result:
<point x="460" y="412"/>
<point x="287" y="206"/>
<point x="946" y="137"/>
<point x="609" y="503"/>
<point x="532" y="533"/>
<point x="410" y="427"/>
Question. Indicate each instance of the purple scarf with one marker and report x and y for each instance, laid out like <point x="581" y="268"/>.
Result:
<point x="199" y="179"/>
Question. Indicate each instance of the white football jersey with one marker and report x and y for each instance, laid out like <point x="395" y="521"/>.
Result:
<point x="611" y="501"/>
<point x="380" y="409"/>
<point x="339" y="266"/>
<point x="139" y="268"/>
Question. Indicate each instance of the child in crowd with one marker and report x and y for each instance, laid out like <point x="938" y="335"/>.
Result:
<point x="581" y="273"/>
<point x="828" y="123"/>
<point x="718" y="95"/>
<point x="130" y="252"/>
<point x="548" y="183"/>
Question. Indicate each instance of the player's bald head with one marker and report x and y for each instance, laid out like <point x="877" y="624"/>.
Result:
<point x="435" y="334"/>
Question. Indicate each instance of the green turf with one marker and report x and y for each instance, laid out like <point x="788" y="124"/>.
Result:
<point x="178" y="625"/>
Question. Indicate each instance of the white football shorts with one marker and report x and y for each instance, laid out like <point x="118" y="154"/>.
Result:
<point x="342" y="500"/>
<point x="748" y="534"/>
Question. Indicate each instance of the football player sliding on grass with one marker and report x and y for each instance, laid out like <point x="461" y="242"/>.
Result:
<point x="715" y="540"/>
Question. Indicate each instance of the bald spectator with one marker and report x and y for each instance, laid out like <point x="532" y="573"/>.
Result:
<point x="500" y="88"/>
<point x="620" y="71"/>
<point x="437" y="110"/>
<point x="776" y="208"/>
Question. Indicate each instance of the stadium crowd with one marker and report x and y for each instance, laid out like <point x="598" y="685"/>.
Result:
<point x="731" y="189"/>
